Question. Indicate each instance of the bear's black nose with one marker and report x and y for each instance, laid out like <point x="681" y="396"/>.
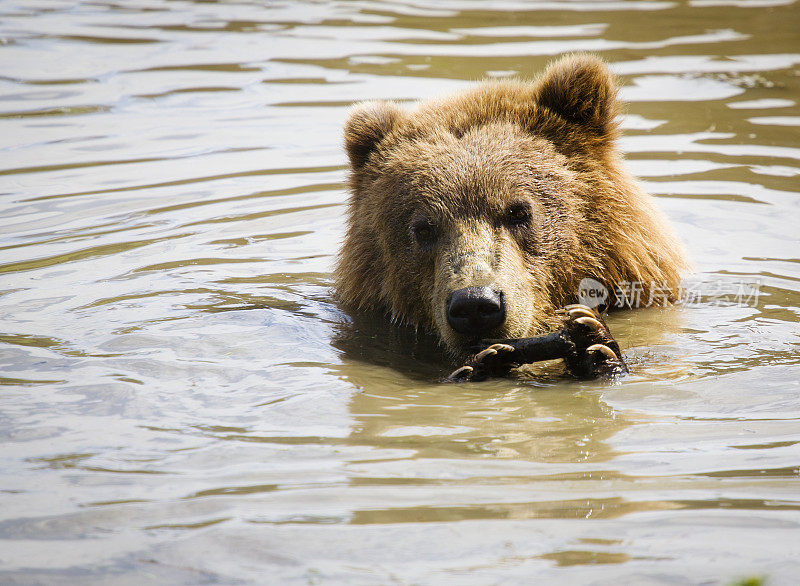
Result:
<point x="475" y="310"/>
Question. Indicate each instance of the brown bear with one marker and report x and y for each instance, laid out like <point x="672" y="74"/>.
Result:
<point x="478" y="215"/>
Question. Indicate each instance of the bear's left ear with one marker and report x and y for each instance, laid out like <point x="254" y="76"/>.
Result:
<point x="581" y="90"/>
<point x="368" y="124"/>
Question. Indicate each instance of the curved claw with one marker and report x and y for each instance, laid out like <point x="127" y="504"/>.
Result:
<point x="479" y="367"/>
<point x="589" y="322"/>
<point x="582" y="312"/>
<point x="603" y="349"/>
<point x="484" y="353"/>
<point x="492" y="351"/>
<point x="503" y="347"/>
<point x="461" y="374"/>
<point x="577" y="306"/>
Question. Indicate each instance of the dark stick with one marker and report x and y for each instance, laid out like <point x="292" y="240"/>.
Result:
<point x="528" y="350"/>
<point x="585" y="344"/>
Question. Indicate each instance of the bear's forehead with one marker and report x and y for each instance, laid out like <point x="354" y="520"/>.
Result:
<point x="474" y="170"/>
<point x="502" y="149"/>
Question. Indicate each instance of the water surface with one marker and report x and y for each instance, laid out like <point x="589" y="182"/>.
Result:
<point x="182" y="402"/>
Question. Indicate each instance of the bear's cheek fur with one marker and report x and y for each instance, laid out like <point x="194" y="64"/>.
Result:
<point x="406" y="281"/>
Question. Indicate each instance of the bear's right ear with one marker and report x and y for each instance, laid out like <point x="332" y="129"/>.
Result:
<point x="367" y="125"/>
<point x="580" y="89"/>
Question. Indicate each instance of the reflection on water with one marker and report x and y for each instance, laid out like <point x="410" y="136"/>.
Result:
<point x="182" y="402"/>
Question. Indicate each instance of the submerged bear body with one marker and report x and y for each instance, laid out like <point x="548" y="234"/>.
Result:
<point x="478" y="215"/>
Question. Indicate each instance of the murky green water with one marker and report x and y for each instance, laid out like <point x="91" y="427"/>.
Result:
<point x="181" y="402"/>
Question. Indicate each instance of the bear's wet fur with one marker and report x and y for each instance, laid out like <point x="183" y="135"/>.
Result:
<point x="512" y="187"/>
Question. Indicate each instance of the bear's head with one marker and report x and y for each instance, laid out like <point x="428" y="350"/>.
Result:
<point x="477" y="216"/>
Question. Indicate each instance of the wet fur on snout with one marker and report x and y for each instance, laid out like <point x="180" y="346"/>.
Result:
<point x="512" y="185"/>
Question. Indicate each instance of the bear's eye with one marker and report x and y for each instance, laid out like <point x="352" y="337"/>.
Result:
<point x="424" y="233"/>
<point x="518" y="214"/>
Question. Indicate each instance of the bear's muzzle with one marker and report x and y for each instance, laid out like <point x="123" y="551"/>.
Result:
<point x="474" y="311"/>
